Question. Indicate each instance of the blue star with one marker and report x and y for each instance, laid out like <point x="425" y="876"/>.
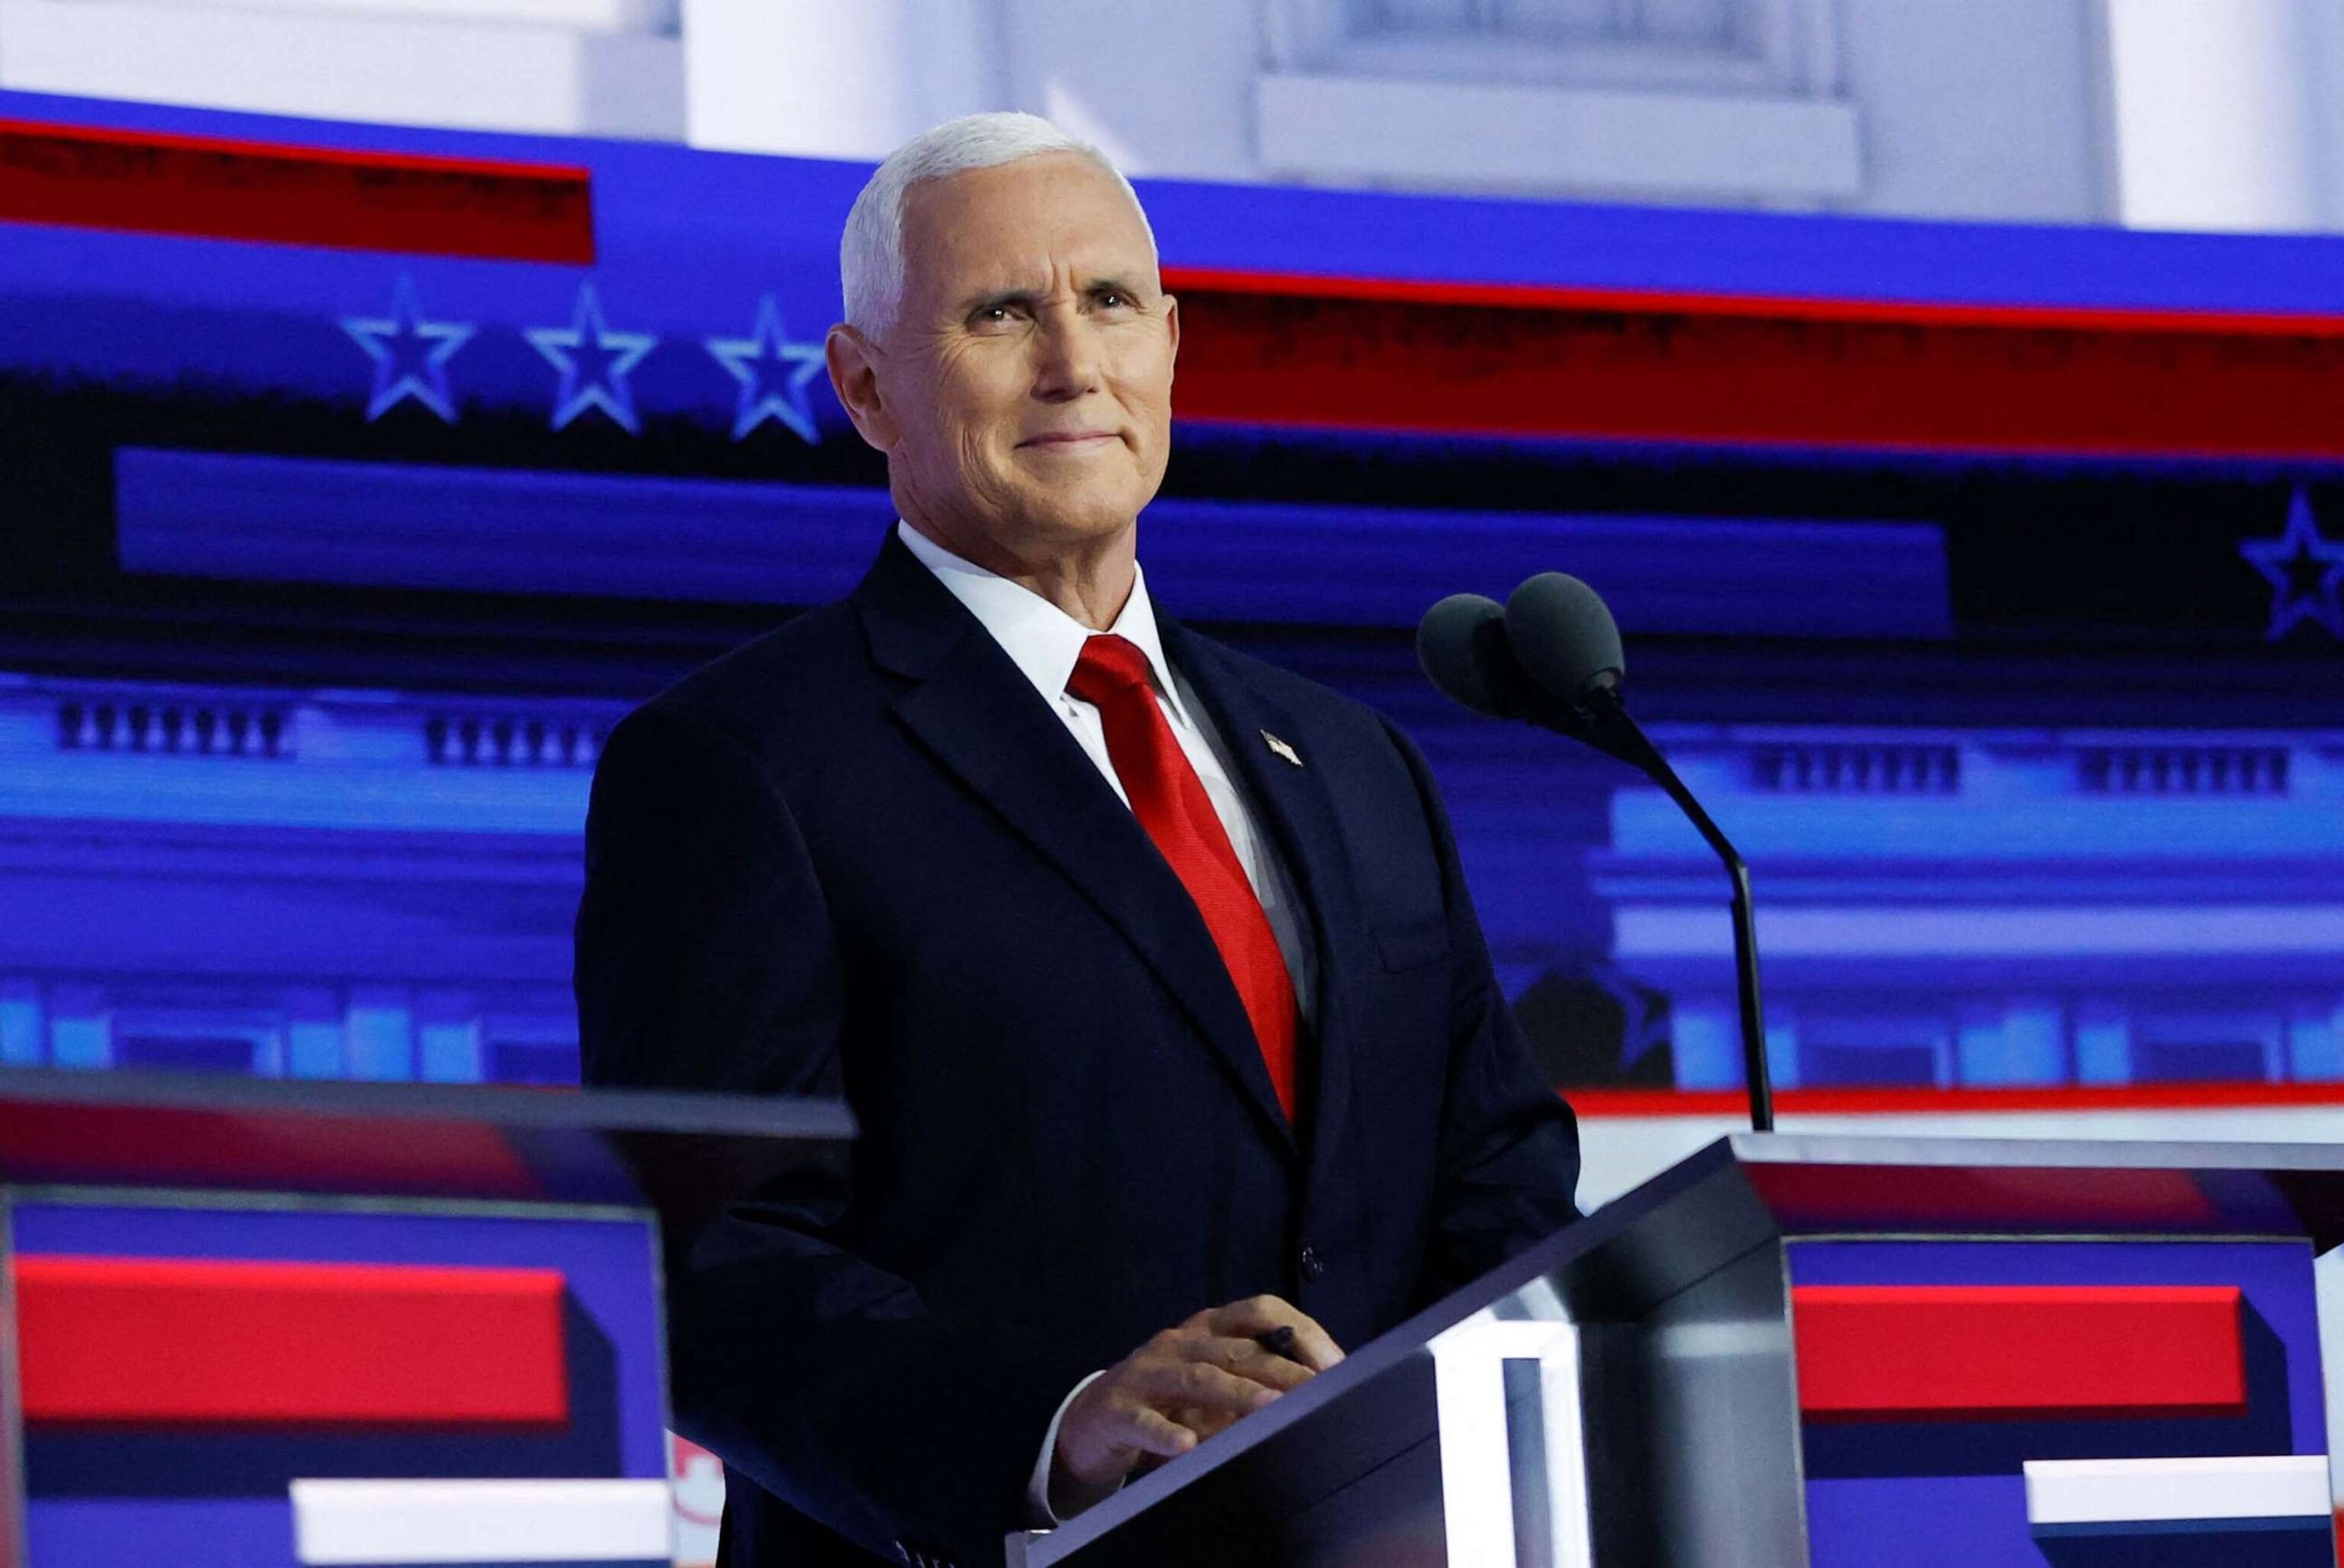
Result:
<point x="772" y="372"/>
<point x="593" y="361"/>
<point x="2306" y="573"/>
<point x="410" y="355"/>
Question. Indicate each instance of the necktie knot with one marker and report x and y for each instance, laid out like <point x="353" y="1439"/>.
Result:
<point x="1110" y="665"/>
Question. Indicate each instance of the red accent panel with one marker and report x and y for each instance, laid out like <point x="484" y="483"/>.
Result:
<point x="1954" y="1353"/>
<point x="1602" y="366"/>
<point x="145" y="1341"/>
<point x="216" y="189"/>
<point x="1608" y="1102"/>
<point x="1784" y="306"/>
<point x="1816" y="1196"/>
<point x="168" y="1146"/>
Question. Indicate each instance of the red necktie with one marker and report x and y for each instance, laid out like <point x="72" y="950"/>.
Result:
<point x="1171" y="804"/>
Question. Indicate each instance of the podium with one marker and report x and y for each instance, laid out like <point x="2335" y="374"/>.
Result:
<point x="1836" y="1351"/>
<point x="259" y="1322"/>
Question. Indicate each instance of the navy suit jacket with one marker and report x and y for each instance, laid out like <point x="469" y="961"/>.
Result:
<point x="861" y="857"/>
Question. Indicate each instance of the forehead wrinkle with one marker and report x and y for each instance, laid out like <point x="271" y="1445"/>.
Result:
<point x="983" y="253"/>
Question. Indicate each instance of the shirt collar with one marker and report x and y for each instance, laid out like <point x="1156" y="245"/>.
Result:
<point x="1042" y="640"/>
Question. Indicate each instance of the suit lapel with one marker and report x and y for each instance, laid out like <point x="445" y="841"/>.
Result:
<point x="974" y="710"/>
<point x="1302" y="824"/>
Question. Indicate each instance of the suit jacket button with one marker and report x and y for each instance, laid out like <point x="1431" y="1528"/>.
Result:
<point x="1311" y="1265"/>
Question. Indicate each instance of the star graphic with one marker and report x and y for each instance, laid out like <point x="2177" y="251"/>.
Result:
<point x="410" y="355"/>
<point x="2306" y="573"/>
<point x="593" y="361"/>
<point x="773" y="373"/>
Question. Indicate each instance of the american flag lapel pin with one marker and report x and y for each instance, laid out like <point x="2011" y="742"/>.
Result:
<point x="1281" y="748"/>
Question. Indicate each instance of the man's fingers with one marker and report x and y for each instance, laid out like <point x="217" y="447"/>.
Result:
<point x="1170" y="1384"/>
<point x="1153" y="1432"/>
<point x="1189" y="1382"/>
<point x="1256" y="1315"/>
<point x="1314" y="1347"/>
<point x="1205" y="1423"/>
<point x="1247" y="1360"/>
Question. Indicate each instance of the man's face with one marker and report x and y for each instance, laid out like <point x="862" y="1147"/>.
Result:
<point x="1026" y="382"/>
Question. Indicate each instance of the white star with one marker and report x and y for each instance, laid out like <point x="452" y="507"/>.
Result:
<point x="773" y="373"/>
<point x="593" y="361"/>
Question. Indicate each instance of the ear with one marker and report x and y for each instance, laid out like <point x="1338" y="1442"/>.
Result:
<point x="1172" y="326"/>
<point x="853" y="362"/>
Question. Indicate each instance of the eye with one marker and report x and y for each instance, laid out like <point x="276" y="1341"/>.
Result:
<point x="1116" y="299"/>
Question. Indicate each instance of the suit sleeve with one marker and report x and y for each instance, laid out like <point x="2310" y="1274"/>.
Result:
<point x="1508" y="1151"/>
<point x="706" y="959"/>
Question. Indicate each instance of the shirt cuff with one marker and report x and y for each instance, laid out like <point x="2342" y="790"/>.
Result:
<point x="1039" y="1514"/>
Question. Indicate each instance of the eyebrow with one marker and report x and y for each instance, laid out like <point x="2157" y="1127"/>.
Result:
<point x="1029" y="299"/>
<point x="977" y="302"/>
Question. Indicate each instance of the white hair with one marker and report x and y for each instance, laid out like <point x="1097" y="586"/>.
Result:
<point x="871" y="266"/>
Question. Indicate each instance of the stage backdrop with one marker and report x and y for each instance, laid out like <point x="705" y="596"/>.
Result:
<point x="1986" y="581"/>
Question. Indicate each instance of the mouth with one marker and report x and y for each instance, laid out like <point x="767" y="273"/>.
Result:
<point x="1069" y="440"/>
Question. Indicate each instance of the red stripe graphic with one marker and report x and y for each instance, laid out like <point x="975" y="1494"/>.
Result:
<point x="1452" y="359"/>
<point x="170" y="1145"/>
<point x="1955" y="1352"/>
<point x="216" y="189"/>
<point x="145" y="1341"/>
<point x="1814" y="1197"/>
<point x="1665" y="302"/>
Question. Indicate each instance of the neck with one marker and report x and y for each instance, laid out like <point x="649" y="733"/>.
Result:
<point x="1090" y="580"/>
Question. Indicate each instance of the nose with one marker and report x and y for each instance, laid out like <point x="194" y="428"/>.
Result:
<point x="1067" y="356"/>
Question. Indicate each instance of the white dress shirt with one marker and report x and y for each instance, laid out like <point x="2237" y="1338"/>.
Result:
<point x="1046" y="643"/>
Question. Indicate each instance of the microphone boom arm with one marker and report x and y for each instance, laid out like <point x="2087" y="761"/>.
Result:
<point x="1612" y="731"/>
<point x="1550" y="657"/>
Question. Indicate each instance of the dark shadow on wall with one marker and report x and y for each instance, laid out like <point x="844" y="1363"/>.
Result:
<point x="1591" y="1026"/>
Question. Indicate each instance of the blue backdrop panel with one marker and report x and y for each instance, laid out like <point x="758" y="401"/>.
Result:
<point x="307" y="519"/>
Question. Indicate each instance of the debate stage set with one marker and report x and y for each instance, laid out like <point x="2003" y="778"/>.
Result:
<point x="1985" y="583"/>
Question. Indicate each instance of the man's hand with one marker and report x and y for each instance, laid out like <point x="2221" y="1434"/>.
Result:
<point x="1180" y="1388"/>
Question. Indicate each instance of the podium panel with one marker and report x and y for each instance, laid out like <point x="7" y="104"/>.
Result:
<point x="284" y="1325"/>
<point x="1839" y="1351"/>
<point x="1938" y="1376"/>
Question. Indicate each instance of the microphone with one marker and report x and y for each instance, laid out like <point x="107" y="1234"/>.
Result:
<point x="1564" y="634"/>
<point x="1551" y="656"/>
<point x="1462" y="646"/>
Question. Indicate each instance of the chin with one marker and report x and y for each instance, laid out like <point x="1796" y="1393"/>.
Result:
<point x="1089" y="516"/>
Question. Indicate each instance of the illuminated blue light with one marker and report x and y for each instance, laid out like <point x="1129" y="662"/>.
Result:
<point x="307" y="519"/>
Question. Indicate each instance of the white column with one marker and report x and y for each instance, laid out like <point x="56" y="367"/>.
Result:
<point x="595" y="67"/>
<point x="2218" y="112"/>
<point x="1479" y="1468"/>
<point x="819" y="78"/>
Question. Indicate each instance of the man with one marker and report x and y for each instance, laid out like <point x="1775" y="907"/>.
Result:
<point x="1146" y="968"/>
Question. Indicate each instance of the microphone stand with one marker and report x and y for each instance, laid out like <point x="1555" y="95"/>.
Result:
<point x="1605" y="724"/>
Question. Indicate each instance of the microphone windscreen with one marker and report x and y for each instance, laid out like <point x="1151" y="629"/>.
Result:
<point x="1564" y="637"/>
<point x="1461" y="644"/>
